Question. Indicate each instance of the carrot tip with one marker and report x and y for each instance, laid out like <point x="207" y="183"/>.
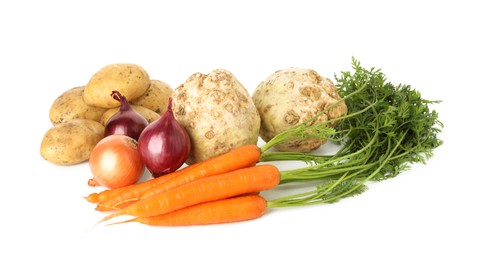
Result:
<point x="122" y="222"/>
<point x="110" y="216"/>
<point x="93" y="197"/>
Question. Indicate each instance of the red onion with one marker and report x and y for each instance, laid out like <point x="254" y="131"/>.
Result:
<point x="164" y="145"/>
<point x="126" y="121"/>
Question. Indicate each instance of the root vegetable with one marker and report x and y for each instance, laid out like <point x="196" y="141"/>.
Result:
<point x="240" y="208"/>
<point x="130" y="80"/>
<point x="70" y="105"/>
<point x="71" y="142"/>
<point x="155" y="98"/>
<point x="291" y="96"/>
<point x="217" y="112"/>
<point x="246" y="180"/>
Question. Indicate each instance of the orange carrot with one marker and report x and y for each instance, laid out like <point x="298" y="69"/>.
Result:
<point x="108" y="194"/>
<point x="237" y="158"/>
<point x="121" y="198"/>
<point x="240" y="208"/>
<point x="101" y="196"/>
<point x="245" y="180"/>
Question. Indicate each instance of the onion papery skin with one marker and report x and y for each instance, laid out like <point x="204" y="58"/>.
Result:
<point x="115" y="162"/>
<point x="164" y="145"/>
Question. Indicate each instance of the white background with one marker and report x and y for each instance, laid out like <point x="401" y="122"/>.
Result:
<point x="47" y="47"/>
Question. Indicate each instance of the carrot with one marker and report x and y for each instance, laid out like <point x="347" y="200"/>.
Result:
<point x="121" y="197"/>
<point x="139" y="187"/>
<point x="108" y="194"/>
<point x="240" y="208"/>
<point x="241" y="181"/>
<point x="237" y="158"/>
<point x="103" y="195"/>
<point x="179" y="181"/>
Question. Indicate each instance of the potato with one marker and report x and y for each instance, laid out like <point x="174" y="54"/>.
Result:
<point x="148" y="114"/>
<point x="131" y="80"/>
<point x="71" y="142"/>
<point x="291" y="96"/>
<point x="217" y="112"/>
<point x="155" y="98"/>
<point x="70" y="105"/>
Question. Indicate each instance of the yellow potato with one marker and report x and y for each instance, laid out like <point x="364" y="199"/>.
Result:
<point x="147" y="113"/>
<point x="71" y="142"/>
<point x="131" y="80"/>
<point x="156" y="97"/>
<point x="70" y="105"/>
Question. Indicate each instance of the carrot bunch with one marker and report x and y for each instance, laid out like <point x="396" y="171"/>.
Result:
<point x="219" y="190"/>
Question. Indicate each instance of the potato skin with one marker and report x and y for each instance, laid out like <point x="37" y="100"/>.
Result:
<point x="156" y="97"/>
<point x="148" y="114"/>
<point x="131" y="80"/>
<point x="217" y="112"/>
<point x="71" y="142"/>
<point x="70" y="105"/>
<point x="291" y="96"/>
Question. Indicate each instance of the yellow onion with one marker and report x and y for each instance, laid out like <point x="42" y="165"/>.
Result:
<point x="115" y="162"/>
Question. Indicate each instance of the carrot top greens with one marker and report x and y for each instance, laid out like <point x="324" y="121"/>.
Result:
<point x="388" y="128"/>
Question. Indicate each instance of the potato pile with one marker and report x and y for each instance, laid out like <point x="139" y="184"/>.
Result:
<point x="79" y="115"/>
